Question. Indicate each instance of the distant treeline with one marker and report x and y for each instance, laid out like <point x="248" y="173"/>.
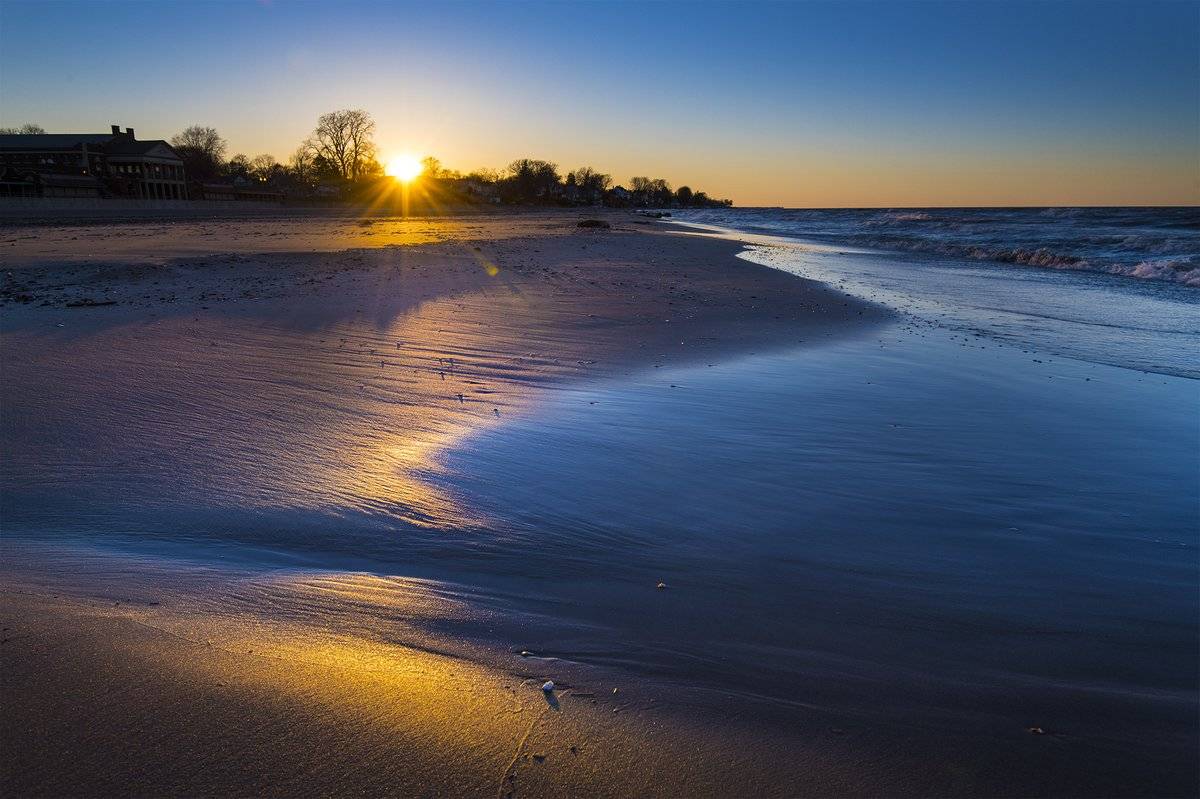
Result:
<point x="339" y="161"/>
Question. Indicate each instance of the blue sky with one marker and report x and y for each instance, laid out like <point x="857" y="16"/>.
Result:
<point x="804" y="103"/>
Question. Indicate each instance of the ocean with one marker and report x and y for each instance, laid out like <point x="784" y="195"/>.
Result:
<point x="1109" y="285"/>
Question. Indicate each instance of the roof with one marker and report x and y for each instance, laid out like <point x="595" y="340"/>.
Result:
<point x="51" y="141"/>
<point x="110" y="143"/>
<point x="124" y="145"/>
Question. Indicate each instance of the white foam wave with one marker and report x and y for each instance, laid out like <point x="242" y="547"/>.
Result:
<point x="1185" y="270"/>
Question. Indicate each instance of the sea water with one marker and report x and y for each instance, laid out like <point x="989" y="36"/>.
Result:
<point x="1032" y="277"/>
<point x="982" y="516"/>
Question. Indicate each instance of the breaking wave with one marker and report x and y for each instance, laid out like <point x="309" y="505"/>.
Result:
<point x="1160" y="244"/>
<point x="1185" y="270"/>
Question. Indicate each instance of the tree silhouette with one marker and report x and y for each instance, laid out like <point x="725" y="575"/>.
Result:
<point x="27" y="129"/>
<point x="202" y="150"/>
<point x="530" y="181"/>
<point x="343" y="139"/>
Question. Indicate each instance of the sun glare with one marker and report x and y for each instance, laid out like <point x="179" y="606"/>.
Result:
<point x="404" y="168"/>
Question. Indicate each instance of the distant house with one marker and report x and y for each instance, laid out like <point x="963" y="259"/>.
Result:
<point x="259" y="193"/>
<point x="114" y="164"/>
<point x="327" y="191"/>
<point x="617" y="197"/>
<point x="234" y="192"/>
<point x="478" y="190"/>
<point x="211" y="191"/>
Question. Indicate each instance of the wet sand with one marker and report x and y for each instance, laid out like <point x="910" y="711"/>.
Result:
<point x="327" y="366"/>
<point x="162" y="692"/>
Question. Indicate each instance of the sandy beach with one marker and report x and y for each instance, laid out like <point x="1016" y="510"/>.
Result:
<point x="316" y="504"/>
<point x="556" y="400"/>
<point x="328" y="366"/>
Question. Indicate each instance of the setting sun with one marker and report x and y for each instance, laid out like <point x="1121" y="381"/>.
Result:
<point x="404" y="168"/>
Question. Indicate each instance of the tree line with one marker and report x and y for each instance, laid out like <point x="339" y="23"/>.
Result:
<point x="340" y="155"/>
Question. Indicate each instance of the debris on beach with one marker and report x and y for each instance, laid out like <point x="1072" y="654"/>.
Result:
<point x="548" y="686"/>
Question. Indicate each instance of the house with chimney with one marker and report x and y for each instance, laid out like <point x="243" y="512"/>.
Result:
<point x="114" y="164"/>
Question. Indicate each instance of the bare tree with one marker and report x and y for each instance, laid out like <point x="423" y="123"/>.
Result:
<point x="650" y="192"/>
<point x="302" y="166"/>
<point x="202" y="140"/>
<point x="484" y="175"/>
<point x="263" y="166"/>
<point x="660" y="192"/>
<point x="238" y="166"/>
<point x="530" y="181"/>
<point x="202" y="150"/>
<point x="27" y="129"/>
<point x="592" y="184"/>
<point x="432" y="168"/>
<point x="343" y="139"/>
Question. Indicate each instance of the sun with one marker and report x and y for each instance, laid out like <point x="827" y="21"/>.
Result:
<point x="404" y="168"/>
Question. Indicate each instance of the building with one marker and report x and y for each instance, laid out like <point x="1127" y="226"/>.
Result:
<point x="231" y="192"/>
<point x="114" y="164"/>
<point x="617" y="197"/>
<point x="477" y="190"/>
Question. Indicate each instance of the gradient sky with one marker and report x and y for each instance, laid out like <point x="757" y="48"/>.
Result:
<point x="798" y="104"/>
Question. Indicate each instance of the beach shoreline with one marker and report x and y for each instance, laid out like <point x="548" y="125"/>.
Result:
<point x="437" y="328"/>
<point x="326" y="512"/>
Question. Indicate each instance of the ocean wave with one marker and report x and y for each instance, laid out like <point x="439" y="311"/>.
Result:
<point x="1185" y="270"/>
<point x="897" y="217"/>
<point x="1159" y="244"/>
<point x="1039" y="257"/>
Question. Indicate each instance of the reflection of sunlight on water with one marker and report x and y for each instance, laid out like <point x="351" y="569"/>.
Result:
<point x="347" y="414"/>
<point x="372" y="607"/>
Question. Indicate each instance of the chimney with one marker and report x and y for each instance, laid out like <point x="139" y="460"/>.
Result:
<point x="116" y="129"/>
<point x="129" y="132"/>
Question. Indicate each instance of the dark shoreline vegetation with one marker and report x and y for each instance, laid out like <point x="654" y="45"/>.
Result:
<point x="339" y="164"/>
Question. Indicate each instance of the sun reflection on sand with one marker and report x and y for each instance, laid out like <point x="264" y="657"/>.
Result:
<point x="349" y="417"/>
<point x="151" y="242"/>
<point x="308" y="387"/>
